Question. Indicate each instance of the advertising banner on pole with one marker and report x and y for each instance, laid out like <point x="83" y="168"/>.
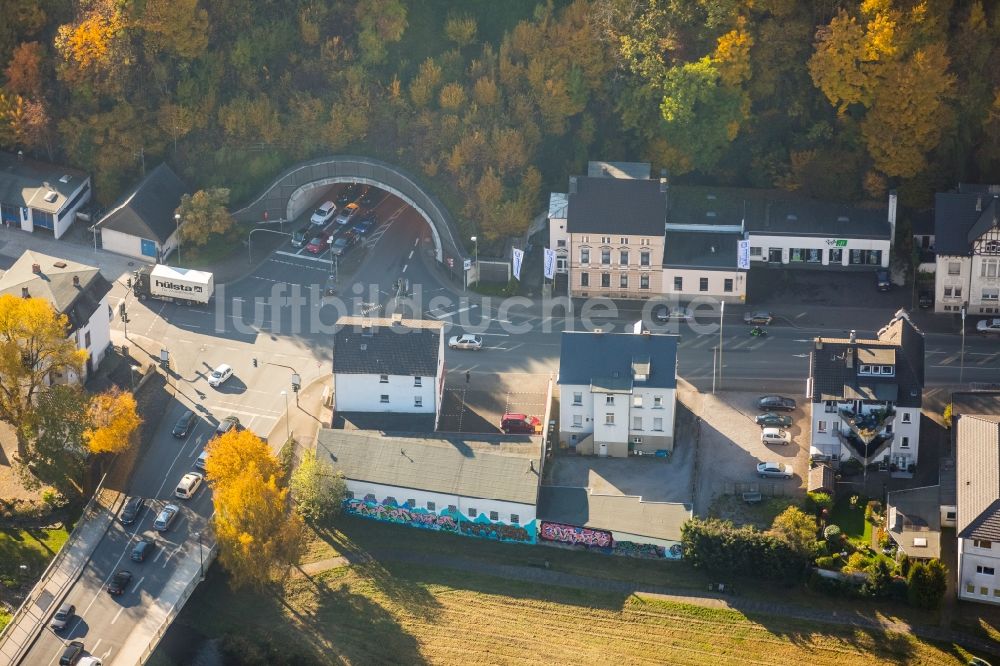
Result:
<point x="550" y="263"/>
<point x="517" y="258"/>
<point x="743" y="255"/>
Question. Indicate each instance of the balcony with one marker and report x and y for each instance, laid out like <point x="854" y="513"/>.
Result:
<point x="867" y="426"/>
<point x="866" y="449"/>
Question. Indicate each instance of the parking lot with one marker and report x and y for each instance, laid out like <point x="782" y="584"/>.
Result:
<point x="477" y="406"/>
<point x="729" y="448"/>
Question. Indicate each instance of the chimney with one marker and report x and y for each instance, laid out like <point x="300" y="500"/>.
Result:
<point x="819" y="343"/>
<point x="36" y="269"/>
<point x="397" y="318"/>
<point x="849" y="357"/>
<point x="76" y="280"/>
<point x="663" y="185"/>
<point x="853" y="337"/>
<point x="24" y="292"/>
<point x="979" y="204"/>
<point x="892" y="216"/>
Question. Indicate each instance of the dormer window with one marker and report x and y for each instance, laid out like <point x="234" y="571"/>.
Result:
<point x="876" y="370"/>
<point x="888" y="370"/>
<point x="865" y="370"/>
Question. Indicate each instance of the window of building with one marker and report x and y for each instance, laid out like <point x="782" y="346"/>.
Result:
<point x="561" y="243"/>
<point x="989" y="294"/>
<point x="412" y="503"/>
<point x="605" y="279"/>
<point x="821" y="426"/>
<point x="431" y="506"/>
<point x="992" y="247"/>
<point x="637" y="440"/>
<point x="986" y="571"/>
<point x="417" y="382"/>
<point x="644" y="258"/>
<point x="658" y="424"/>
<point x="756" y="252"/>
<point x="606" y="240"/>
<point x="906" y="417"/>
<point x="958" y="292"/>
<point x="609" y="400"/>
<point x="888" y="370"/>
<point x="586" y="239"/>
<point x="984" y="590"/>
<point x="836" y="256"/>
<point x="609" y="418"/>
<point x="678" y="284"/>
<point x="644" y="281"/>
<point x="636" y="423"/>
<point x="970" y="588"/>
<point x="865" y="257"/>
<point x="605" y="257"/>
<point x="979" y="543"/>
<point x="623" y="257"/>
<point x="384" y="397"/>
<point x="514" y="519"/>
<point x="831" y="407"/>
<point x="623" y="240"/>
<point x="383" y="379"/>
<point x="584" y="255"/>
<point x="370" y="497"/>
<point x="584" y="279"/>
<point x="702" y="284"/>
<point x="727" y="285"/>
<point x="795" y="254"/>
<point x="657" y="402"/>
<point x="643" y="241"/>
<point x="905" y="444"/>
<point x="418" y="401"/>
<point x="577" y="420"/>
<point x="951" y="515"/>
<point x="86" y="339"/>
<point x="494" y="516"/>
<point x="637" y="402"/>
<point x="989" y="268"/>
<point x="954" y="268"/>
<point x="473" y="512"/>
<point x="623" y="280"/>
<point x="577" y="398"/>
<point x="947" y="292"/>
<point x="452" y="508"/>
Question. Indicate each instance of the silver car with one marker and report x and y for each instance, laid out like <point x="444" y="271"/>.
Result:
<point x="62" y="617"/>
<point x="166" y="517"/>
<point x="774" y="470"/>
<point x="988" y="326"/>
<point x="467" y="341"/>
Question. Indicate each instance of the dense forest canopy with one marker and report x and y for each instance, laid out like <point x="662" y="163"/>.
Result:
<point x="493" y="103"/>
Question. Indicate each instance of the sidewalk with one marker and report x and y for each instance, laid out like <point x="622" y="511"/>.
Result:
<point x="14" y="242"/>
<point x="304" y="419"/>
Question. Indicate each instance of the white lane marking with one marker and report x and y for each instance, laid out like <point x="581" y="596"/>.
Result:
<point x="495" y="335"/>
<point x="136" y="587"/>
<point x="167" y="475"/>
<point x="405" y="266"/>
<point x="410" y="255"/>
<point x="292" y="263"/>
<point x="159" y="551"/>
<point x="452" y="314"/>
<point x="416" y="242"/>
<point x="196" y="448"/>
<point x="94" y="649"/>
<point x="118" y="614"/>
<point x="302" y="256"/>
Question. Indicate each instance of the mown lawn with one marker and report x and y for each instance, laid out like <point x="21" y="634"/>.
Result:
<point x="394" y="613"/>
<point x="851" y="520"/>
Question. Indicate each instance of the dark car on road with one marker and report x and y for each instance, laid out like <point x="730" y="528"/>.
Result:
<point x="344" y="243"/>
<point x="62" y="617"/>
<point x="318" y="243"/>
<point x="758" y="318"/>
<point x="882" y="280"/>
<point x="227" y="424"/>
<point x="302" y="236"/>
<point x="776" y="403"/>
<point x="368" y="196"/>
<point x="772" y="420"/>
<point x="663" y="313"/>
<point x="71" y="654"/>
<point x="366" y="223"/>
<point x="119" y="582"/>
<point x="142" y="550"/>
<point x="134" y="506"/>
<point x="348" y="194"/>
<point x="183" y="425"/>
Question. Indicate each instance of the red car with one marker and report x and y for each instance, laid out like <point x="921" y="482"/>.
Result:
<point x="520" y="424"/>
<point x="318" y="244"/>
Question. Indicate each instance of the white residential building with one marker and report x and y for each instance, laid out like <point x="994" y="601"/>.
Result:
<point x="430" y="483"/>
<point x="384" y="365"/>
<point x="617" y="392"/>
<point x="967" y="243"/>
<point x="866" y="396"/>
<point x="73" y="289"/>
<point x="36" y="195"/>
<point x="977" y="442"/>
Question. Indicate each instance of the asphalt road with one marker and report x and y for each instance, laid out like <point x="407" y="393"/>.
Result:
<point x="280" y="316"/>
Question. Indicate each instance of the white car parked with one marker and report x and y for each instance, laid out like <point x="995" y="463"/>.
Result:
<point x="467" y="341"/>
<point x="324" y="213"/>
<point x="220" y="375"/>
<point x="189" y="485"/>
<point x="988" y="326"/>
<point x="774" y="470"/>
<point x="775" y="436"/>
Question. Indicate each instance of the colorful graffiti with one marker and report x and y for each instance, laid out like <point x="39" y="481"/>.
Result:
<point x="445" y="522"/>
<point x="575" y="536"/>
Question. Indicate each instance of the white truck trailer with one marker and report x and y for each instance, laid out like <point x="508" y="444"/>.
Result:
<point x="168" y="283"/>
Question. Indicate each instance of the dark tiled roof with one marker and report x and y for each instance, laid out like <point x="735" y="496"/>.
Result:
<point x="832" y="379"/>
<point x="606" y="358"/>
<point x="380" y="346"/>
<point x="55" y="284"/>
<point x="698" y="249"/>
<point x="977" y="444"/>
<point x="915" y="515"/>
<point x="620" y="513"/>
<point x="148" y="210"/>
<point x="22" y="182"/>
<point x="616" y="206"/>
<point x="432" y="464"/>
<point x="957" y="222"/>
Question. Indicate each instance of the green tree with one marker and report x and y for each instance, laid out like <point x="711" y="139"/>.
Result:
<point x="175" y="26"/>
<point x="460" y="29"/>
<point x="317" y="489"/>
<point x="926" y="584"/>
<point x="879" y="579"/>
<point x="797" y="528"/>
<point x="382" y="22"/>
<point x="56" y="453"/>
<point x="204" y="214"/>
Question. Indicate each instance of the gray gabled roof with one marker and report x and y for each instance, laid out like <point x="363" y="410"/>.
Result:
<point x="616" y="206"/>
<point x="605" y="360"/>
<point x="977" y="445"/>
<point x="431" y="464"/>
<point x="833" y="379"/>
<point x="963" y="216"/>
<point x="384" y="346"/>
<point x="618" y="513"/>
<point x="26" y="182"/>
<point x="914" y="520"/>
<point x="147" y="211"/>
<point x="54" y="282"/>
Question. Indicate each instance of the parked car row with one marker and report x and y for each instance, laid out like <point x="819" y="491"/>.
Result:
<point x="353" y="218"/>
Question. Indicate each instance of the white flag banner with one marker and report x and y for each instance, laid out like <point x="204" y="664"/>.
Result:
<point x="516" y="259"/>
<point x="637" y="327"/>
<point x="550" y="263"/>
<point x="743" y="255"/>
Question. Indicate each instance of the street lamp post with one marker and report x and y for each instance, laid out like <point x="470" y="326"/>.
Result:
<point x="288" y="432"/>
<point x="177" y="221"/>
<point x="961" y="369"/>
<point x="475" y="240"/>
<point x="201" y="558"/>
<point x="722" y="311"/>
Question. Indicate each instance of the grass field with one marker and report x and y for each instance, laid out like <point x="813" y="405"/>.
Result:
<point x="851" y="520"/>
<point x="33" y="547"/>
<point x="385" y="611"/>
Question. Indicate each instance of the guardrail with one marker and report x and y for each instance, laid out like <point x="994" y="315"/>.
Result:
<point x="91" y="511"/>
<point x="172" y="615"/>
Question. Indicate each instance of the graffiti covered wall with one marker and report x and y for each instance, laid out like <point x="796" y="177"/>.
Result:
<point x="480" y="527"/>
<point x="603" y="541"/>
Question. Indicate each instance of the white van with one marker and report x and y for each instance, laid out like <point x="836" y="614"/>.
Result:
<point x="775" y="436"/>
<point x="188" y="485"/>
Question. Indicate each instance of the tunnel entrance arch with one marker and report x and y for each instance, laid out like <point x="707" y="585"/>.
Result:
<point x="293" y="192"/>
